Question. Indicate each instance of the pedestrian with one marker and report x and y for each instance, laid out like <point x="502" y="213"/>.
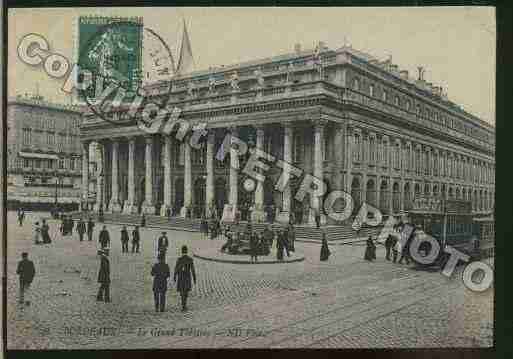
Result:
<point x="389" y="243"/>
<point x="26" y="272"/>
<point x="143" y="220"/>
<point x="285" y="239"/>
<point x="291" y="234"/>
<point x="184" y="269"/>
<point x="280" y="245"/>
<point x="204" y="226"/>
<point x="318" y="219"/>
<point x="253" y="247"/>
<point x="104" y="277"/>
<point x="396" y="249"/>
<point x="71" y="224"/>
<point x="81" y="229"/>
<point x="90" y="229"/>
<point x="162" y="244"/>
<point x="104" y="238"/>
<point x="37" y="233"/>
<point x="160" y="272"/>
<point x="268" y="235"/>
<point x="369" y="255"/>
<point x="135" y="239"/>
<point x="21" y="216"/>
<point x="63" y="226"/>
<point x="403" y="249"/>
<point x="124" y="240"/>
<point x="45" y="232"/>
<point x="325" y="251"/>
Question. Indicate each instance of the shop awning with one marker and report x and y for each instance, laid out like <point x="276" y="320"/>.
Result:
<point x="38" y="155"/>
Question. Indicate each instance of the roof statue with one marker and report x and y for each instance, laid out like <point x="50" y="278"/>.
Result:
<point x="234" y="81"/>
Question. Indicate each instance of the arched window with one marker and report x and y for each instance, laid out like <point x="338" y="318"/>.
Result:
<point x="408" y="105"/>
<point x="384" y="95"/>
<point x="396" y="101"/>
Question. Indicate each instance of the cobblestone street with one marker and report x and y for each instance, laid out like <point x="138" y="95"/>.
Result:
<point x="345" y="302"/>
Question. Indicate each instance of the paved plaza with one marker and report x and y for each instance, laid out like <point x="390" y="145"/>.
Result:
<point x="345" y="302"/>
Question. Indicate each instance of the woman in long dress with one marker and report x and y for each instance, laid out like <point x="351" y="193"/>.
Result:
<point x="325" y="251"/>
<point x="280" y="245"/>
<point x="369" y="252"/>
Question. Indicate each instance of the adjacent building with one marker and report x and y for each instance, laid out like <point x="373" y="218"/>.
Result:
<point x="362" y="125"/>
<point x="44" y="154"/>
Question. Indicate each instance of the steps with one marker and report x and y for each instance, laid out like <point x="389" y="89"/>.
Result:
<point x="342" y="233"/>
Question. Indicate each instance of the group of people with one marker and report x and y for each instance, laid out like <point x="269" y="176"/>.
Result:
<point x="393" y="247"/>
<point x="42" y="233"/>
<point x="260" y="242"/>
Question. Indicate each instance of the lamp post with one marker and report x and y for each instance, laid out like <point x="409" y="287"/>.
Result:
<point x="100" y="204"/>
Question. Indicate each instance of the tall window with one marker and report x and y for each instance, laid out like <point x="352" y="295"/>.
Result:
<point x="396" y="100"/>
<point x="371" y="90"/>
<point x="372" y="150"/>
<point x="27" y="136"/>
<point x="408" y="105"/>
<point x="298" y="147"/>
<point x="26" y="163"/>
<point x="356" y="84"/>
<point x="384" y="95"/>
<point x="398" y="155"/>
<point x="357" y="148"/>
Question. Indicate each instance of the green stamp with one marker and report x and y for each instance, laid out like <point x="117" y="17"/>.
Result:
<point x="111" y="49"/>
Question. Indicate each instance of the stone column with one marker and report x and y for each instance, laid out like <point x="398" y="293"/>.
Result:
<point x="258" y="213"/>
<point x="167" y="205"/>
<point x="148" y="206"/>
<point x="378" y="192"/>
<point x="85" y="175"/>
<point x="99" y="178"/>
<point x="401" y="196"/>
<point x="349" y="160"/>
<point x="130" y="205"/>
<point x="114" y="205"/>
<point x="283" y="216"/>
<point x="230" y="209"/>
<point x="315" y="202"/>
<point x="187" y="180"/>
<point x="209" y="185"/>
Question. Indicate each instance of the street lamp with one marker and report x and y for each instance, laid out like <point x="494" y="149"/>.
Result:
<point x="100" y="205"/>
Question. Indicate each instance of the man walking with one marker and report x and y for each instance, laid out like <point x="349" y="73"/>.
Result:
<point x="104" y="238"/>
<point x="184" y="269"/>
<point x="160" y="273"/>
<point x="162" y="244"/>
<point x="26" y="272"/>
<point x="21" y="216"/>
<point x="124" y="240"/>
<point x="135" y="239"/>
<point x="389" y="243"/>
<point x="90" y="229"/>
<point x="104" y="277"/>
<point x="81" y="229"/>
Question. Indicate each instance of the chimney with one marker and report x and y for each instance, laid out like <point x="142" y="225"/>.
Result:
<point x="404" y="74"/>
<point x="297" y="48"/>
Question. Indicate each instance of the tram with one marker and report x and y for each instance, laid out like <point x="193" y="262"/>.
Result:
<point x="449" y="221"/>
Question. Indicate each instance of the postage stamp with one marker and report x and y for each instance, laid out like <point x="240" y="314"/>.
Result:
<point x="231" y="178"/>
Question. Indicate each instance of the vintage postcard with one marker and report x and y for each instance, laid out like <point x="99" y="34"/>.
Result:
<point x="250" y="177"/>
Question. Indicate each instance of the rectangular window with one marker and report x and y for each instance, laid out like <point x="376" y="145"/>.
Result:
<point x="38" y="163"/>
<point x="26" y="163"/>
<point x="72" y="164"/>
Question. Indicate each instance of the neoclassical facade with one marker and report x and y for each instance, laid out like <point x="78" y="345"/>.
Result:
<point x="360" y="124"/>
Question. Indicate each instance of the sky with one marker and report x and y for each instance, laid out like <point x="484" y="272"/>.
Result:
<point x="455" y="45"/>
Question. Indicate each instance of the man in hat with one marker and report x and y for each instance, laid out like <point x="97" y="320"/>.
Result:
<point x="124" y="240"/>
<point x="81" y="229"/>
<point x="160" y="272"/>
<point x="104" y="238"/>
<point x="104" y="277"/>
<point x="162" y="244"/>
<point x="135" y="239"/>
<point x="26" y="272"/>
<point x="184" y="269"/>
<point x="90" y="228"/>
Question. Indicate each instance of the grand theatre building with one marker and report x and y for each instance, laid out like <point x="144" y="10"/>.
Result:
<point x="362" y="125"/>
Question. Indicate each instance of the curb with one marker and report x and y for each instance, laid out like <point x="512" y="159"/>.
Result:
<point x="248" y="262"/>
